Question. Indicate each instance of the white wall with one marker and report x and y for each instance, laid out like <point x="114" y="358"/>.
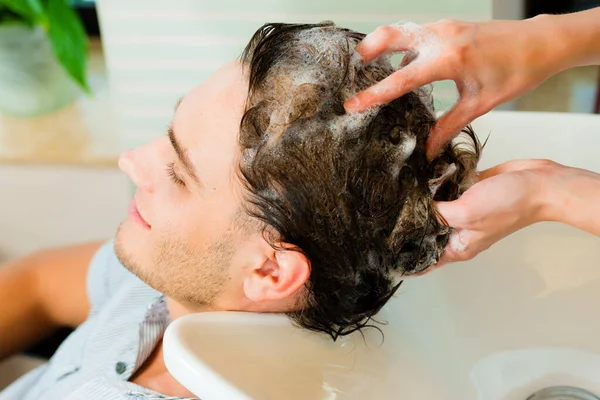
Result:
<point x="45" y="206"/>
<point x="157" y="50"/>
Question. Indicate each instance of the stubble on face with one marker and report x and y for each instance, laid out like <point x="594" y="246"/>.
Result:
<point x="190" y="274"/>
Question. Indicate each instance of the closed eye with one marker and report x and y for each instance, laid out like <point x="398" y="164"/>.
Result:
<point x="173" y="175"/>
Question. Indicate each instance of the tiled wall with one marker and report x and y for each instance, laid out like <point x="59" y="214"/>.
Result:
<point x="156" y="50"/>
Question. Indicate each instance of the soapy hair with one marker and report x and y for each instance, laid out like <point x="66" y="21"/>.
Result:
<point x="353" y="192"/>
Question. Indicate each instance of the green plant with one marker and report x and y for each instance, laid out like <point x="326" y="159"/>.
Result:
<point x="65" y="31"/>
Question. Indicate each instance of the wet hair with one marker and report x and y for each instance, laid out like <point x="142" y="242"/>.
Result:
<point x="353" y="192"/>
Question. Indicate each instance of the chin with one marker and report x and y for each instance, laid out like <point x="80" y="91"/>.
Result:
<point x="129" y="248"/>
<point x="135" y="251"/>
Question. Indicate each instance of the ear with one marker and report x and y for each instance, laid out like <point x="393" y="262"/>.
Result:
<point x="281" y="275"/>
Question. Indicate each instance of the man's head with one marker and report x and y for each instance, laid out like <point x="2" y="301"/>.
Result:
<point x="266" y="196"/>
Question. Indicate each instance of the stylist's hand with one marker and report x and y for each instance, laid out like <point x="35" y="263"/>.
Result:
<point x="514" y="195"/>
<point x="490" y="62"/>
<point x="507" y="198"/>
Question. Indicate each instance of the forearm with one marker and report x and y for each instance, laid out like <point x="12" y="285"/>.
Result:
<point x="23" y="319"/>
<point x="572" y="40"/>
<point x="572" y="196"/>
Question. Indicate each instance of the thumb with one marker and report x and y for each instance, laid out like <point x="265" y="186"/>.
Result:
<point x="458" y="247"/>
<point x="452" y="211"/>
<point x="449" y="126"/>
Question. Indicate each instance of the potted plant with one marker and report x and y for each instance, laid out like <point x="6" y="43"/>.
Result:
<point x="43" y="56"/>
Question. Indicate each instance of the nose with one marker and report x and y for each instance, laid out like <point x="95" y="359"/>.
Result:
<point x="135" y="168"/>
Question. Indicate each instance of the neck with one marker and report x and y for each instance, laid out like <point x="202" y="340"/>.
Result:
<point x="154" y="374"/>
<point x="178" y="310"/>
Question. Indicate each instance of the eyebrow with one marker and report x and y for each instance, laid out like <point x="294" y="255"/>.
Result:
<point x="178" y="103"/>
<point x="183" y="157"/>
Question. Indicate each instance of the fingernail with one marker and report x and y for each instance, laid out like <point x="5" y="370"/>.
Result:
<point x="367" y="41"/>
<point x="431" y="155"/>
<point x="352" y="104"/>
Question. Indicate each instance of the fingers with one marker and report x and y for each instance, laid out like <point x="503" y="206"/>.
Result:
<point x="459" y="247"/>
<point x="409" y="78"/>
<point x="449" y="257"/>
<point x="427" y="270"/>
<point x="450" y="125"/>
<point x="408" y="37"/>
<point x="452" y="211"/>
<point x="408" y="57"/>
<point x="385" y="39"/>
<point x="515" y="165"/>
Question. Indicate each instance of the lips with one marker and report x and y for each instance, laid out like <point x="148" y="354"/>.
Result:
<point x="136" y="216"/>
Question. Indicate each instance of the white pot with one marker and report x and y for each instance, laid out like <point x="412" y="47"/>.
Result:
<point x="32" y="82"/>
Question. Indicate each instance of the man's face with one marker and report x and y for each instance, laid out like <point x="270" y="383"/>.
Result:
<point x="180" y="236"/>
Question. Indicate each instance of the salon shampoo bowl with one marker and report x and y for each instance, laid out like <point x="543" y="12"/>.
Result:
<point x="520" y="317"/>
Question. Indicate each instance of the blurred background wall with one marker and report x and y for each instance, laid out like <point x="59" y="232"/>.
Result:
<point x="157" y="50"/>
<point x="58" y="178"/>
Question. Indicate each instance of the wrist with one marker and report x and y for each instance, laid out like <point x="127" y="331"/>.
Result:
<point x="568" y="194"/>
<point x="548" y="198"/>
<point x="568" y="40"/>
<point x="549" y="46"/>
<point x="573" y="199"/>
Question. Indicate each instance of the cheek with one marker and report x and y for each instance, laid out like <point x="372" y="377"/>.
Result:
<point x="197" y="221"/>
<point x="173" y="210"/>
<point x="187" y="220"/>
<point x="171" y="204"/>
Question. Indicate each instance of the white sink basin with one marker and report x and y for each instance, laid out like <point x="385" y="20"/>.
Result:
<point x="521" y="317"/>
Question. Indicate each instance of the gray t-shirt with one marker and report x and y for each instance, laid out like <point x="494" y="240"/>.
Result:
<point x="126" y="322"/>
